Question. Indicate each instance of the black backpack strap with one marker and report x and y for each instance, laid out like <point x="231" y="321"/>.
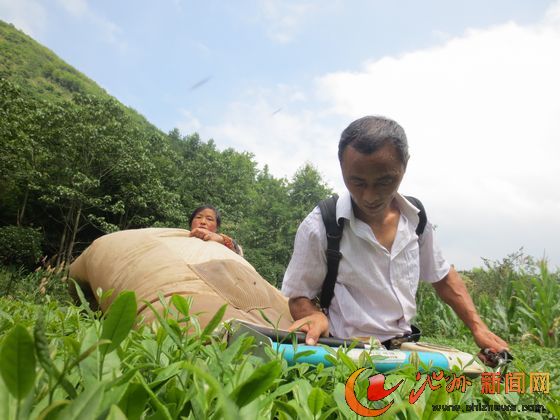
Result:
<point x="334" y="234"/>
<point x="422" y="215"/>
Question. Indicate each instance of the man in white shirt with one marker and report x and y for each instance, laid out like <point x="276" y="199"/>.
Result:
<point x="383" y="257"/>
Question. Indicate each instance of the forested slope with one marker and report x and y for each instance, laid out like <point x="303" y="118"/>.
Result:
<point x="76" y="164"/>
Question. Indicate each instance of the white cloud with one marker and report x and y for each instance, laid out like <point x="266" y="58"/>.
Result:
<point x="283" y="18"/>
<point x="282" y="141"/>
<point x="271" y="125"/>
<point x="188" y="123"/>
<point x="110" y="31"/>
<point x="552" y="16"/>
<point x="31" y="17"/>
<point x="27" y="15"/>
<point x="78" y="8"/>
<point x="482" y="116"/>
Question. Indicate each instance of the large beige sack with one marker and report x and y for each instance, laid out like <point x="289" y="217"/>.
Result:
<point x="167" y="261"/>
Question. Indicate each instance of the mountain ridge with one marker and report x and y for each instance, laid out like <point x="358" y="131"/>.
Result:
<point x="41" y="74"/>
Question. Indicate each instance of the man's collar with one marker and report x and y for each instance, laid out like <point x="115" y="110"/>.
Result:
<point x="344" y="208"/>
<point x="408" y="209"/>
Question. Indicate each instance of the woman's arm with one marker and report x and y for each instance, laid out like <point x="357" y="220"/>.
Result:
<point x="207" y="235"/>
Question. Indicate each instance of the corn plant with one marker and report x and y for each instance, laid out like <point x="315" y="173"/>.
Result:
<point x="539" y="306"/>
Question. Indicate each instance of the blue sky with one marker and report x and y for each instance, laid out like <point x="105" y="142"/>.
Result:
<point x="474" y="83"/>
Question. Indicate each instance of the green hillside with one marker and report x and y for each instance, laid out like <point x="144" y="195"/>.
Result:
<point x="77" y="164"/>
<point x="41" y="74"/>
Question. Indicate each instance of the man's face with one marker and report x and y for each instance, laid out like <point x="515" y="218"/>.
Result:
<point x="372" y="179"/>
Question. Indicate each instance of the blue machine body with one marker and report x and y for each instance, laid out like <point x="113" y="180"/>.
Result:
<point x="384" y="360"/>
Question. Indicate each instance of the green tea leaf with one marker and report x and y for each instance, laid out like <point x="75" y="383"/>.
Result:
<point x="42" y="345"/>
<point x="266" y="318"/>
<point x="346" y="360"/>
<point x="44" y="357"/>
<point x="87" y="352"/>
<point x="283" y="389"/>
<point x="84" y="407"/>
<point x="8" y="405"/>
<point x="124" y="379"/>
<point x="119" y="319"/>
<point x="553" y="408"/>
<point x="303" y="354"/>
<point x="328" y="414"/>
<point x="160" y="407"/>
<point x="340" y="400"/>
<point x="166" y="373"/>
<point x="115" y="413"/>
<point x="72" y="344"/>
<point x="17" y="362"/>
<point x="81" y="297"/>
<point x="228" y="409"/>
<point x="316" y="400"/>
<point x="134" y="401"/>
<point x="286" y="408"/>
<point x="165" y="326"/>
<point x="181" y="304"/>
<point x="259" y="381"/>
<point x="215" y="321"/>
<point x="51" y="412"/>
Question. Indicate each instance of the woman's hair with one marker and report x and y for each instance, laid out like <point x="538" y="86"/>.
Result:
<point x="204" y="207"/>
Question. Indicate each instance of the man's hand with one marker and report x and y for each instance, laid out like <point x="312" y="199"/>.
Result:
<point x="206" y="235"/>
<point x="486" y="339"/>
<point x="452" y="291"/>
<point x="315" y="325"/>
<point x="308" y="319"/>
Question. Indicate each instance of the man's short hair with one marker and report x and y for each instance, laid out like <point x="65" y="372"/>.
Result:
<point x="368" y="134"/>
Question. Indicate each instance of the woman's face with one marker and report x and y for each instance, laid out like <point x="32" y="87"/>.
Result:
<point x="205" y="219"/>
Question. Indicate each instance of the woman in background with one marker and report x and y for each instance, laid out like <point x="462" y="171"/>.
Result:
<point x="204" y="222"/>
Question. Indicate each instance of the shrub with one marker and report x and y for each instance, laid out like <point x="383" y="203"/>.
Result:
<point x="35" y="286"/>
<point x="20" y="246"/>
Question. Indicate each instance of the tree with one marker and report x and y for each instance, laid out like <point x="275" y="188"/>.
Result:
<point x="83" y="167"/>
<point x="305" y="190"/>
<point x="23" y="155"/>
<point x="263" y="227"/>
<point x="104" y="178"/>
<point x="208" y="176"/>
<point x="275" y="210"/>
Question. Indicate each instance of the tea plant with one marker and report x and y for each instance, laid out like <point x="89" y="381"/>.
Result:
<point x="61" y="362"/>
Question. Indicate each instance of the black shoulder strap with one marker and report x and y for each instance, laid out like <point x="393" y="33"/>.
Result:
<point x="334" y="234"/>
<point x="422" y="215"/>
